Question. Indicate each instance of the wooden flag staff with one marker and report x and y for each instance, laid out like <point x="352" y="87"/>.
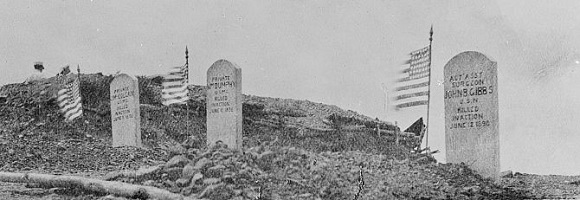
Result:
<point x="428" y="94"/>
<point x="187" y="88"/>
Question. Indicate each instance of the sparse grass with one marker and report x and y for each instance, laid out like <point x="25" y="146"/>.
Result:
<point x="173" y="120"/>
<point x="33" y="135"/>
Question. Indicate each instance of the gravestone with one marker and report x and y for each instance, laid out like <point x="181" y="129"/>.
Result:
<point x="224" y="104"/>
<point x="125" y="113"/>
<point x="471" y="113"/>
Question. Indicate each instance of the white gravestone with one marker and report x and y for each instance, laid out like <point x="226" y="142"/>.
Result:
<point x="224" y="104"/>
<point x="471" y="113"/>
<point x="125" y="113"/>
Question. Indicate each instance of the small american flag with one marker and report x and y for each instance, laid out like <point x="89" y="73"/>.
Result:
<point x="413" y="87"/>
<point x="69" y="100"/>
<point x="175" y="86"/>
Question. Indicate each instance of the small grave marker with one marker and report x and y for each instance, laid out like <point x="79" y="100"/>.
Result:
<point x="125" y="113"/>
<point x="224" y="104"/>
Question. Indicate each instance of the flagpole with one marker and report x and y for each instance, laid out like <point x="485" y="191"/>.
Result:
<point x="79" y="80"/>
<point x="187" y="88"/>
<point x="396" y="134"/>
<point x="429" y="94"/>
<point x="58" y="82"/>
<point x="79" y="73"/>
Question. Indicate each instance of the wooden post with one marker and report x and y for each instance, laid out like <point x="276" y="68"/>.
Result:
<point x="187" y="87"/>
<point x="396" y="134"/>
<point x="379" y="129"/>
<point x="187" y="118"/>
<point x="91" y="185"/>
<point x="429" y="93"/>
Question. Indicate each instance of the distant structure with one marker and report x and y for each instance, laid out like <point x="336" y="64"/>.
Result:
<point x="37" y="74"/>
<point x="38" y="66"/>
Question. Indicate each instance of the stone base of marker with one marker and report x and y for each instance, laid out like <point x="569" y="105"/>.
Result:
<point x="125" y="111"/>
<point x="224" y="104"/>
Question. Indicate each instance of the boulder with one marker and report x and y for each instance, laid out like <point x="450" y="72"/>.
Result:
<point x="196" y="177"/>
<point x="215" y="171"/>
<point x="182" y="182"/>
<point x="506" y="174"/>
<point x="177" y="161"/>
<point x="188" y="171"/>
<point x="219" y="191"/>
<point x="211" y="181"/>
<point x="202" y="164"/>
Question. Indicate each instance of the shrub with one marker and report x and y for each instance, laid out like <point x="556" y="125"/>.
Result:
<point x="147" y="90"/>
<point x="95" y="92"/>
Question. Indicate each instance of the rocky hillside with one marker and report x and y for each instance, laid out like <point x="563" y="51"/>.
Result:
<point x="292" y="150"/>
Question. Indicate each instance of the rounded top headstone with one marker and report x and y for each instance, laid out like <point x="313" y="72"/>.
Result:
<point x="224" y="104"/>
<point x="123" y="76"/>
<point x="125" y="111"/>
<point x="468" y="58"/>
<point x="222" y="64"/>
<point x="471" y="112"/>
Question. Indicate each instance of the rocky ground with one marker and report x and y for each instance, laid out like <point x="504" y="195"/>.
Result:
<point x="292" y="150"/>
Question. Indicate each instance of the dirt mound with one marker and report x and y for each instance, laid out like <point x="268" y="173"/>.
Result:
<point x="271" y="172"/>
<point x="293" y="149"/>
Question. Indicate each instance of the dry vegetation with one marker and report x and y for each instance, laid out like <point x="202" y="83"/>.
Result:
<point x="292" y="150"/>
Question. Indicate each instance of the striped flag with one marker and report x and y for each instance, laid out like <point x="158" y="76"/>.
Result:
<point x="69" y="100"/>
<point x="175" y="86"/>
<point x="413" y="88"/>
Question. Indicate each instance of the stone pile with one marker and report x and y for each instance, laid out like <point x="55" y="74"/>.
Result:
<point x="223" y="173"/>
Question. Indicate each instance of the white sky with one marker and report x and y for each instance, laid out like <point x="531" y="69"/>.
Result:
<point x="335" y="52"/>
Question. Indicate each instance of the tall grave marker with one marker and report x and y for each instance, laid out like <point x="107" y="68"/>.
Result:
<point x="224" y="104"/>
<point x="125" y="113"/>
<point x="471" y="113"/>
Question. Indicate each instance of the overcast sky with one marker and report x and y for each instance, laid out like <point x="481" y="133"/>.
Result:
<point x="334" y="52"/>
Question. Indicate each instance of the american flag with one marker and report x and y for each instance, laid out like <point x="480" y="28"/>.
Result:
<point x="69" y="100"/>
<point x="175" y="86"/>
<point x="413" y="87"/>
